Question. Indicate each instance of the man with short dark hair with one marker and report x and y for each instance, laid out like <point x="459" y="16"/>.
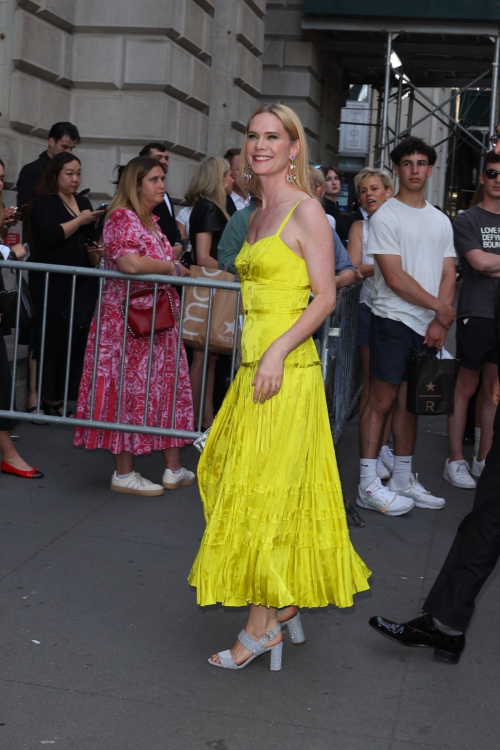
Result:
<point x="477" y="241"/>
<point x="237" y="199"/>
<point x="164" y="210"/>
<point x="414" y="286"/>
<point x="63" y="136"/>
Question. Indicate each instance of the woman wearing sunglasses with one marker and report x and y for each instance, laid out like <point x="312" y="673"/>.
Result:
<point x="477" y="243"/>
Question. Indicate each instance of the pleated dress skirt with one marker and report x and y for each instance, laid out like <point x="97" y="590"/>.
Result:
<point x="276" y="530"/>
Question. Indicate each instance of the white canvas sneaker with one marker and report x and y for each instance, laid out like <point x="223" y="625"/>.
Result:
<point x="420" y="496"/>
<point x="380" y="498"/>
<point x="477" y="467"/>
<point x="135" y="484"/>
<point x="181" y="479"/>
<point x="457" y="473"/>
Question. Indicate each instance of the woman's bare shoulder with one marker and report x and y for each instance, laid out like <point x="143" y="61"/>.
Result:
<point x="310" y="209"/>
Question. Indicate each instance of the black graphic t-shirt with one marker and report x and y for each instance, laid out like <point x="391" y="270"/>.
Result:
<point x="476" y="229"/>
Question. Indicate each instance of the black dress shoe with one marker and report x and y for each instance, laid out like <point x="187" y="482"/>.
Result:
<point x="422" y="632"/>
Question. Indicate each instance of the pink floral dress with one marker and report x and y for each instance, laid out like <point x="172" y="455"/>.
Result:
<point x="124" y="233"/>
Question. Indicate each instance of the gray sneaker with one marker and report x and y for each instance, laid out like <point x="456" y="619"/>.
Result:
<point x="382" y="499"/>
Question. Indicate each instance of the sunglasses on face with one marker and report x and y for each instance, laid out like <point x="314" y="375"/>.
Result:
<point x="491" y="174"/>
<point x="494" y="139"/>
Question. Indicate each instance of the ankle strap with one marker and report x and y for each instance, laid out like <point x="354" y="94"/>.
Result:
<point x="255" y="646"/>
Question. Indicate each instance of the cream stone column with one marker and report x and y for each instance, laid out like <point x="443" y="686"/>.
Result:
<point x="296" y="74"/>
<point x="236" y="72"/>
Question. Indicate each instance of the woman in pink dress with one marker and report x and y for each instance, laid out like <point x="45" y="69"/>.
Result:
<point x="134" y="244"/>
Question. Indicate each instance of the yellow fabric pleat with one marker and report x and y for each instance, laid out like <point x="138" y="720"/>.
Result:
<point x="276" y="529"/>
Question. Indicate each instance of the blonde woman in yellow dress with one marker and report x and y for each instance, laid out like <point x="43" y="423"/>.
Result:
<point x="276" y="535"/>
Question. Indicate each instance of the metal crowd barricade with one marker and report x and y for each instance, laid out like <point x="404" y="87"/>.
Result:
<point x="339" y="354"/>
<point x="341" y="363"/>
<point x="101" y="275"/>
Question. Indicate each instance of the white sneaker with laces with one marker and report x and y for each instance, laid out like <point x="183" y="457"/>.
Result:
<point x="382" y="471"/>
<point x="457" y="473"/>
<point x="135" y="484"/>
<point x="477" y="467"/>
<point x="420" y="496"/>
<point x="180" y="479"/>
<point x="386" y="455"/>
<point x="380" y="498"/>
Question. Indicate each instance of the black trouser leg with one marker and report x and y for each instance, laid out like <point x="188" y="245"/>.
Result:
<point x="474" y="552"/>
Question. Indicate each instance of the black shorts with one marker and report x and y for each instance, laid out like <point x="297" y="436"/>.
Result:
<point x="364" y="317"/>
<point x="476" y="342"/>
<point x="390" y="344"/>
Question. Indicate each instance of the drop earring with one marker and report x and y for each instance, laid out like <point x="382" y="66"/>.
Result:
<point x="247" y="172"/>
<point x="291" y="177"/>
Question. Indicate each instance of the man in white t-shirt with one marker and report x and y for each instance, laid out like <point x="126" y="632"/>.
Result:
<point x="414" y="286"/>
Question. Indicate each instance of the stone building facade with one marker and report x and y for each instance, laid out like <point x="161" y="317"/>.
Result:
<point x="184" y="72"/>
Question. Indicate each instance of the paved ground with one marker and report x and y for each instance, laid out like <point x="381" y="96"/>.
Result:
<point x="104" y="647"/>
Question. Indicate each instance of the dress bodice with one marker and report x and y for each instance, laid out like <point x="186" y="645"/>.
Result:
<point x="275" y="289"/>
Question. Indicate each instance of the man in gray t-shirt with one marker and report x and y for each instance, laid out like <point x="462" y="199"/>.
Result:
<point x="477" y="243"/>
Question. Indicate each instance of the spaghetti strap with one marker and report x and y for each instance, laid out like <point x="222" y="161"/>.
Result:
<point x="282" y="225"/>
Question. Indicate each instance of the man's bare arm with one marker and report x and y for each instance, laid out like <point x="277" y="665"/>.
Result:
<point x="487" y="263"/>
<point x="402" y="284"/>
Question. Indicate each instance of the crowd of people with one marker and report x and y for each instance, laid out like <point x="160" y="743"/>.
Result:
<point x="276" y="535"/>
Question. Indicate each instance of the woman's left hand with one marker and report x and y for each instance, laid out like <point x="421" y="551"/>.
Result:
<point x="269" y="375"/>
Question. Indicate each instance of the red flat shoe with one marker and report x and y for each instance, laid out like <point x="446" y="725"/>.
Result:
<point x="6" y="468"/>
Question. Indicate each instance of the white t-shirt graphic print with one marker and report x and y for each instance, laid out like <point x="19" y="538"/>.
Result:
<point x="422" y="237"/>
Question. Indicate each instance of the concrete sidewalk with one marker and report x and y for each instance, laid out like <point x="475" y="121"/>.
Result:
<point x="104" y="647"/>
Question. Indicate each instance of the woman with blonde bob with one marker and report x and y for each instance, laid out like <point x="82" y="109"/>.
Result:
<point x="208" y="191"/>
<point x="134" y="244"/>
<point x="276" y="535"/>
<point x="373" y="187"/>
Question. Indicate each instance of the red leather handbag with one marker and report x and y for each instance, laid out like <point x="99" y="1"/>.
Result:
<point x="139" y="320"/>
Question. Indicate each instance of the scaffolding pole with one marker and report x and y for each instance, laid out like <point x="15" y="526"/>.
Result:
<point x="387" y="91"/>
<point x="494" y="87"/>
<point x="399" y="102"/>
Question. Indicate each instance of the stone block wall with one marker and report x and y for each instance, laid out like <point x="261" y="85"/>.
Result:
<point x="295" y="73"/>
<point x="184" y="72"/>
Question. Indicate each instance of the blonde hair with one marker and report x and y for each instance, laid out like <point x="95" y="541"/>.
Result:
<point x="293" y="126"/>
<point x="207" y="182"/>
<point x="317" y="176"/>
<point x="384" y="177"/>
<point x="127" y="195"/>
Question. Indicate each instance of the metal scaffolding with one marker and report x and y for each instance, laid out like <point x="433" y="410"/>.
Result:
<point x="405" y="58"/>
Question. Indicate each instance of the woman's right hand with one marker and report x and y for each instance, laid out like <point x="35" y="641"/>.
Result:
<point x="19" y="251"/>
<point x="184" y="271"/>
<point x="8" y="216"/>
<point x="87" y="216"/>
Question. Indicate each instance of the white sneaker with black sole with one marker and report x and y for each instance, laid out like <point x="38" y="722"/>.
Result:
<point x="420" y="496"/>
<point x="135" y="484"/>
<point x="477" y="467"/>
<point x="457" y="473"/>
<point x="383" y="500"/>
<point x="177" y="479"/>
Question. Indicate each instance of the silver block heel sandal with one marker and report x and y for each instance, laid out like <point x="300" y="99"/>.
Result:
<point x="257" y="648"/>
<point x="295" y="630"/>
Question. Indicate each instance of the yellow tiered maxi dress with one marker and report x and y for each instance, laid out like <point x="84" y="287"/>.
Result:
<point x="276" y="529"/>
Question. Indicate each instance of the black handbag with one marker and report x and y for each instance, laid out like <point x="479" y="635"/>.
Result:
<point x="8" y="306"/>
<point x="431" y="383"/>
